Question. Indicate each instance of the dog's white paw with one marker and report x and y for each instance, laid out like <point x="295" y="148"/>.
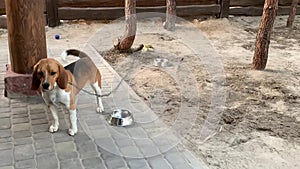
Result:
<point x="53" y="129"/>
<point x="72" y="132"/>
<point x="100" y="110"/>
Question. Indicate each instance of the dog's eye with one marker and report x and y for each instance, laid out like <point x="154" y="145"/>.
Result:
<point x="41" y="73"/>
<point x="52" y="73"/>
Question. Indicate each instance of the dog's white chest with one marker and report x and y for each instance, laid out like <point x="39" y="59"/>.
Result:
<point x="57" y="96"/>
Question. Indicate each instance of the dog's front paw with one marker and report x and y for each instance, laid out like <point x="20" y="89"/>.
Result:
<point x="53" y="129"/>
<point x="99" y="110"/>
<point x="72" y="132"/>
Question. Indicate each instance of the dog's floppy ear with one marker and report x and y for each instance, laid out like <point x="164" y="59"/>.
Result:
<point x="62" y="80"/>
<point x="35" y="83"/>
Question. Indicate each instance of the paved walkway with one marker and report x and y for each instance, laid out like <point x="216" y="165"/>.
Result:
<point x="26" y="143"/>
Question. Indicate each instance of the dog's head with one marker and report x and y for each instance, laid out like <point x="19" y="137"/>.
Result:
<point x="48" y="73"/>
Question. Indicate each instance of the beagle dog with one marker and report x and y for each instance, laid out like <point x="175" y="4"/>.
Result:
<point x="60" y="85"/>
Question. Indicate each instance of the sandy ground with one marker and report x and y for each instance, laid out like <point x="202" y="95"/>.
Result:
<point x="260" y="126"/>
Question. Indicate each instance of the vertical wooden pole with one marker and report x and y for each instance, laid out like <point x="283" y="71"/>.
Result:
<point x="293" y="11"/>
<point x="52" y="13"/>
<point x="26" y="33"/>
<point x="225" y="4"/>
<point x="264" y="33"/>
<point x="169" y="24"/>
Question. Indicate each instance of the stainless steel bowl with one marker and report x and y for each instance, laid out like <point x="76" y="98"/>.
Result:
<point x="120" y="117"/>
<point x="160" y="62"/>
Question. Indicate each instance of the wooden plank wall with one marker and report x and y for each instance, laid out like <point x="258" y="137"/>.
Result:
<point x="3" y="23"/>
<point x="112" y="9"/>
<point x="255" y="7"/>
<point x="120" y="3"/>
<point x="2" y="7"/>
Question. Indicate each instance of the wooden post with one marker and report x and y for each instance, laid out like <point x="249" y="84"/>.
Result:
<point x="26" y="33"/>
<point x="169" y="24"/>
<point x="225" y="5"/>
<point x="27" y="44"/>
<point x="293" y="11"/>
<point x="52" y="13"/>
<point x="124" y="43"/>
<point x="264" y="33"/>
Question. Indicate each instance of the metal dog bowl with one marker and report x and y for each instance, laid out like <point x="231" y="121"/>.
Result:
<point x="160" y="62"/>
<point x="120" y="117"/>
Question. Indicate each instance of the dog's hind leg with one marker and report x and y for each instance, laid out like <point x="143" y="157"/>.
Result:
<point x="97" y="90"/>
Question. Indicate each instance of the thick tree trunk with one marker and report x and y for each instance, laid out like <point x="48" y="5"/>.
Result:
<point x="264" y="33"/>
<point x="293" y="10"/>
<point x="124" y="43"/>
<point x="26" y="33"/>
<point x="169" y="24"/>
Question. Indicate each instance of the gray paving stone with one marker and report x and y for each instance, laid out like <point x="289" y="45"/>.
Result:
<point x="38" y="110"/>
<point x="93" y="163"/>
<point x="36" y="107"/>
<point x="6" y="157"/>
<point x="22" y="104"/>
<point x="65" y="147"/>
<point x="116" y="163"/>
<point x="45" y="150"/>
<point x="4" y="102"/>
<point x="94" y="122"/>
<point x="137" y="164"/>
<point x="131" y="151"/>
<point x="71" y="164"/>
<point x="105" y="154"/>
<point x="81" y="137"/>
<point x="147" y="147"/>
<point x="177" y="159"/>
<point x="21" y="141"/>
<point x="40" y="128"/>
<point x="20" y="120"/>
<point x="124" y="142"/>
<point x="23" y="152"/>
<point x="67" y="155"/>
<point x="20" y="110"/>
<point x="5" y="133"/>
<point x="43" y="143"/>
<point x="38" y="116"/>
<point x="183" y="166"/>
<point x="163" y="143"/>
<point x="5" y="140"/>
<point x="4" y="113"/>
<point x="19" y="115"/>
<point x="62" y="123"/>
<point x="137" y="132"/>
<point x="7" y="167"/>
<point x="100" y="133"/>
<point x="66" y="150"/>
<point x="21" y="127"/>
<point x="26" y="164"/>
<point x="44" y="135"/>
<point x="47" y="161"/>
<point x="87" y="149"/>
<point x="108" y="145"/>
<point x="6" y="146"/>
<point x="21" y="134"/>
<point x="5" y="123"/>
<point x="62" y="136"/>
<point x="39" y="121"/>
<point x="159" y="162"/>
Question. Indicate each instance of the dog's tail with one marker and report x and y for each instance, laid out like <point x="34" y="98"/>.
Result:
<point x="73" y="52"/>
